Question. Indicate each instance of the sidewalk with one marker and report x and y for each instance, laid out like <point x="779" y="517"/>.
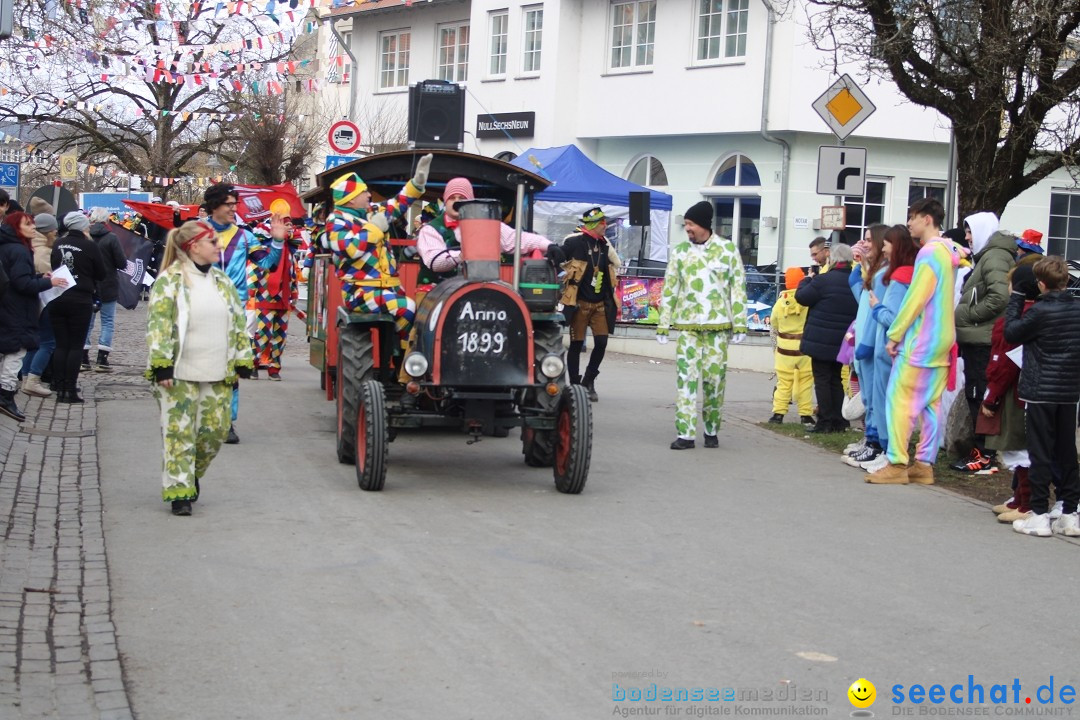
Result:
<point x="58" y="650"/>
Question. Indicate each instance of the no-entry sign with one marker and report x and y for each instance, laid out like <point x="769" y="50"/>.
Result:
<point x="344" y="137"/>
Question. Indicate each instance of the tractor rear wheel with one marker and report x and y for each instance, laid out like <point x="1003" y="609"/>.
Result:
<point x="371" y="437"/>
<point x="356" y="364"/>
<point x="573" y="440"/>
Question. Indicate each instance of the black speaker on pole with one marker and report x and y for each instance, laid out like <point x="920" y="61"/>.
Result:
<point x="436" y="115"/>
<point x="639" y="208"/>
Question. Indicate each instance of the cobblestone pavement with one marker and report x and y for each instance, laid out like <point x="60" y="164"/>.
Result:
<point x="58" y="650"/>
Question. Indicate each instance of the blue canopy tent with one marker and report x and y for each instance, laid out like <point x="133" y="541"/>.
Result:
<point x="578" y="184"/>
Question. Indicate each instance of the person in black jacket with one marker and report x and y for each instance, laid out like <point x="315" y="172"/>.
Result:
<point x="70" y="313"/>
<point x="832" y="309"/>
<point x="1050" y="388"/>
<point x="594" y="306"/>
<point x="19" y="305"/>
<point x="108" y="290"/>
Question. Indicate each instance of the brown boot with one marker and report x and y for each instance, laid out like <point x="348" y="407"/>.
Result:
<point x="889" y="475"/>
<point x="921" y="473"/>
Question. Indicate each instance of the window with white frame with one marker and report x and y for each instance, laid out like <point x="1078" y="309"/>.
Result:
<point x="499" y="24"/>
<point x="722" y="32"/>
<point x="737" y="212"/>
<point x="648" y="171"/>
<point x="533" y="28"/>
<point x="919" y="189"/>
<point x="862" y="212"/>
<point x="346" y="69"/>
<point x="453" y="52"/>
<point x="633" y="34"/>
<point x="1063" y="236"/>
<point x="394" y="59"/>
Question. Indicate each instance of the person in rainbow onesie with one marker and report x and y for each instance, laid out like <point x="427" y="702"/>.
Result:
<point x="922" y="341"/>
<point x="360" y="244"/>
<point x="236" y="248"/>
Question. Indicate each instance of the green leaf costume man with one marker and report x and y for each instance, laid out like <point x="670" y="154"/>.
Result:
<point x="704" y="298"/>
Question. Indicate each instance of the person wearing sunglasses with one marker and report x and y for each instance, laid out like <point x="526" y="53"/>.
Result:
<point x="197" y="346"/>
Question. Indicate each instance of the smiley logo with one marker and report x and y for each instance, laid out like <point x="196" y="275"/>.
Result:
<point x="862" y="693"/>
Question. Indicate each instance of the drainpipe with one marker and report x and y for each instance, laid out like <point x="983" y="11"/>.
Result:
<point x="355" y="65"/>
<point x="786" y="164"/>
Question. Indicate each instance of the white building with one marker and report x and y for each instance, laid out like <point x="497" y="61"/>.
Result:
<point x="698" y="98"/>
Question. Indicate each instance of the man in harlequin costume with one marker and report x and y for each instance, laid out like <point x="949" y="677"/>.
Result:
<point x="236" y="248"/>
<point x="273" y="294"/>
<point x="361" y="246"/>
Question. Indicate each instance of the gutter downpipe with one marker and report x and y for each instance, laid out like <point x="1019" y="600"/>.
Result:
<point x="786" y="164"/>
<point x="355" y="64"/>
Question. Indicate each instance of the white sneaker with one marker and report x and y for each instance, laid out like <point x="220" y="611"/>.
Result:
<point x="1037" y="525"/>
<point x="855" y="447"/>
<point x="1055" y="512"/>
<point x="872" y="466"/>
<point x="1068" y="525"/>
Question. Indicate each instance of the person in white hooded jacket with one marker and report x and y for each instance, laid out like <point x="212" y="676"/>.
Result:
<point x="983" y="298"/>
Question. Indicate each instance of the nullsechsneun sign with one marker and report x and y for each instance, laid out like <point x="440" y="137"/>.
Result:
<point x="495" y="125"/>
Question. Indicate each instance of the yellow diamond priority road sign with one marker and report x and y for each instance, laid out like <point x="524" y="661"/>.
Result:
<point x="844" y="107"/>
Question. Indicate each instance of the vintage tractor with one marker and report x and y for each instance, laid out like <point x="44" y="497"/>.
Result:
<point x="488" y="353"/>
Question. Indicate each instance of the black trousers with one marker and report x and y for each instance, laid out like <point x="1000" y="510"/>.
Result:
<point x="976" y="358"/>
<point x="1051" y="439"/>
<point x="71" y="322"/>
<point x="829" y="388"/>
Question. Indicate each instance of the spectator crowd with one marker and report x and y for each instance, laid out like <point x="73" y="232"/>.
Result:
<point x="919" y="318"/>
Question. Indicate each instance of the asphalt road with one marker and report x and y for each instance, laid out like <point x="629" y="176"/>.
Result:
<point x="470" y="588"/>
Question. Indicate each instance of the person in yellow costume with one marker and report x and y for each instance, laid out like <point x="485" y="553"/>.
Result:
<point x="794" y="378"/>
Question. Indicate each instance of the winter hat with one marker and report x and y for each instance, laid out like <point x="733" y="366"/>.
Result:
<point x="38" y="206"/>
<point x="346" y="187"/>
<point x="701" y="214"/>
<point x="1030" y="240"/>
<point x="1023" y="280"/>
<point x="75" y="220"/>
<point x="593" y="217"/>
<point x="44" y="222"/>
<point x="792" y="277"/>
<point x="459" y="186"/>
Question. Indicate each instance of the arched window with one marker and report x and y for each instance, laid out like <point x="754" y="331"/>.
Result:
<point x="737" y="204"/>
<point x="737" y="170"/>
<point x="648" y="171"/>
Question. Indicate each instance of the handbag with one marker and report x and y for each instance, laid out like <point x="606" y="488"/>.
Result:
<point x="853" y="407"/>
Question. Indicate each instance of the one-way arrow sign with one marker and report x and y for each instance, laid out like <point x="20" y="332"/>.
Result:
<point x="841" y="171"/>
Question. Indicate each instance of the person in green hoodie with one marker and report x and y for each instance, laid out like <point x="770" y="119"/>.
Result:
<point x="983" y="299"/>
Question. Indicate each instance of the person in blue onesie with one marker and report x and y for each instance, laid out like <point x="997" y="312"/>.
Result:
<point x="236" y="248"/>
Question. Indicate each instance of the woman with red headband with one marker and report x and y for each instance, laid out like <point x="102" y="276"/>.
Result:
<point x="197" y="347"/>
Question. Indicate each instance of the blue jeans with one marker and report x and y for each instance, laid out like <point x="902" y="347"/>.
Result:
<point x="36" y="361"/>
<point x="108" y="319"/>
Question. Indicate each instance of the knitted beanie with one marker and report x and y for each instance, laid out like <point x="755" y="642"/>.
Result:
<point x="75" y="220"/>
<point x="459" y="186"/>
<point x="792" y="277"/>
<point x="346" y="187"/>
<point x="44" y="222"/>
<point x="701" y="214"/>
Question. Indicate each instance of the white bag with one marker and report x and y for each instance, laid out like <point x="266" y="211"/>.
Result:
<point x="853" y="407"/>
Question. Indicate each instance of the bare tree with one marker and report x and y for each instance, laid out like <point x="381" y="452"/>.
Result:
<point x="1004" y="72"/>
<point x="384" y="127"/>
<point x="93" y="83"/>
<point x="274" y="141"/>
